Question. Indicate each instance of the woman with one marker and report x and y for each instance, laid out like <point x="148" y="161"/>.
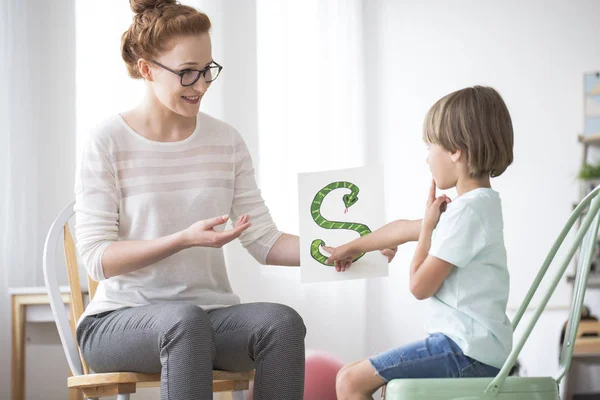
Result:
<point x="154" y="189"/>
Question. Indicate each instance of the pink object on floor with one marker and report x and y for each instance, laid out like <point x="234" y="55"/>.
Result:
<point x="320" y="371"/>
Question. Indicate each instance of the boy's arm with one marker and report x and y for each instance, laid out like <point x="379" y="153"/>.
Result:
<point x="393" y="234"/>
<point x="388" y="236"/>
<point x="427" y="273"/>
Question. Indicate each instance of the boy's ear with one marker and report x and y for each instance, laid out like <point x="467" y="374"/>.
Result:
<point x="456" y="156"/>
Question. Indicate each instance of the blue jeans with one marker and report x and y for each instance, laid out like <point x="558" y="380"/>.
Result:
<point x="435" y="357"/>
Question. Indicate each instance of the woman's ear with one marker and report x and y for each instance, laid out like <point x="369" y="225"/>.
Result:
<point x="456" y="156"/>
<point x="145" y="70"/>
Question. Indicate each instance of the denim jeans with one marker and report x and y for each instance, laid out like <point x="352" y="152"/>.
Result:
<point x="437" y="356"/>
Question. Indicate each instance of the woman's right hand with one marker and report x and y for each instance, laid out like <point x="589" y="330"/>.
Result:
<point x="202" y="233"/>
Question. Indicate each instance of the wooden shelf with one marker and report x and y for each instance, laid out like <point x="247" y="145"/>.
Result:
<point x="592" y="140"/>
<point x="587" y="345"/>
<point x="593" y="281"/>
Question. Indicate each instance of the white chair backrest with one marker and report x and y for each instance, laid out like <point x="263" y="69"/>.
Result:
<point x="59" y="230"/>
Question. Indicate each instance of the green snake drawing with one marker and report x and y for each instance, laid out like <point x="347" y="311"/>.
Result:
<point x="315" y="211"/>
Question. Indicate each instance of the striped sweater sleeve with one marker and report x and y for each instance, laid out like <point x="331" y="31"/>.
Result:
<point x="247" y="199"/>
<point x="96" y="206"/>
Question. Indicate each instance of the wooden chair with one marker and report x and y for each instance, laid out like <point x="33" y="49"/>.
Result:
<point x="503" y="387"/>
<point x="94" y="385"/>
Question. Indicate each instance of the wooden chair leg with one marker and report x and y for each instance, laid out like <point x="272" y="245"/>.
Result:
<point x="18" y="349"/>
<point x="75" y="394"/>
<point x="234" y="395"/>
<point x="225" y="396"/>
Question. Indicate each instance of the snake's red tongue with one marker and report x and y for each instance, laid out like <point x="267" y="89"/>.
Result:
<point x="346" y="210"/>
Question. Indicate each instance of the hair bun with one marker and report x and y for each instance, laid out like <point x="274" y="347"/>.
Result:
<point x="139" y="6"/>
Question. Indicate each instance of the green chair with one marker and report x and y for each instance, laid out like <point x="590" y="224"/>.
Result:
<point x="504" y="387"/>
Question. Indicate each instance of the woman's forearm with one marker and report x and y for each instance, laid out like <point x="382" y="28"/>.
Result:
<point x="127" y="256"/>
<point x="285" y="251"/>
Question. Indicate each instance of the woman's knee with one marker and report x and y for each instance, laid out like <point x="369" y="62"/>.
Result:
<point x="286" y="319"/>
<point x="187" y="320"/>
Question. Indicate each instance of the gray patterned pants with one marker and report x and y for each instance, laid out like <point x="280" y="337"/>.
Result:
<point x="184" y="343"/>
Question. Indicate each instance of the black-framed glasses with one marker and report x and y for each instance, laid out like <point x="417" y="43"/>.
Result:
<point x="190" y="76"/>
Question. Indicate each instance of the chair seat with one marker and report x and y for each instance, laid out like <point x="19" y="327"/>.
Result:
<point x="514" y="388"/>
<point x="122" y="382"/>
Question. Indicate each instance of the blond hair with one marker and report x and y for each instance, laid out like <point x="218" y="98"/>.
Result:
<point x="476" y="121"/>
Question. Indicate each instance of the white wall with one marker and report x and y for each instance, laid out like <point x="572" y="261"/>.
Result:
<point x="42" y="89"/>
<point x="535" y="54"/>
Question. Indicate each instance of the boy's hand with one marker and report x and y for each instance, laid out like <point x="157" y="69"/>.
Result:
<point x="390" y="253"/>
<point x="341" y="257"/>
<point x="435" y="207"/>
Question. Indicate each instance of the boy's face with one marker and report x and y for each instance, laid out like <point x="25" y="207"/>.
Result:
<point x="442" y="166"/>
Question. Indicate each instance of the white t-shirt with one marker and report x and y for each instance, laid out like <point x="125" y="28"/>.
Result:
<point x="470" y="305"/>
<point x="132" y="188"/>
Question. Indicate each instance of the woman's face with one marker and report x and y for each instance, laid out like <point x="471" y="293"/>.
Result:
<point x="183" y="52"/>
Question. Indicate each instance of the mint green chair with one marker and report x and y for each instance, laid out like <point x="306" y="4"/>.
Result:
<point x="503" y="387"/>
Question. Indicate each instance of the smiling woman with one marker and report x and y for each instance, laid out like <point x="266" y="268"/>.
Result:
<point x="154" y="188"/>
<point x="175" y="35"/>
